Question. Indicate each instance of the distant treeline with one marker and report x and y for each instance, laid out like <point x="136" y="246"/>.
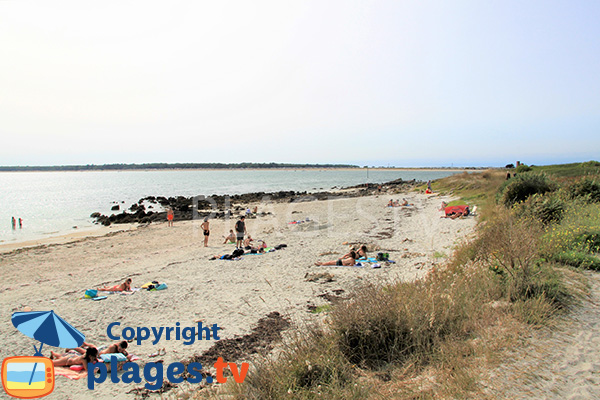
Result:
<point x="103" y="167"/>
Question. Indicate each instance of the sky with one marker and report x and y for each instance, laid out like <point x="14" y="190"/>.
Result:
<point x="378" y="83"/>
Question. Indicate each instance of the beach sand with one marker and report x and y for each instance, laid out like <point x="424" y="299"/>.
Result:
<point x="232" y="294"/>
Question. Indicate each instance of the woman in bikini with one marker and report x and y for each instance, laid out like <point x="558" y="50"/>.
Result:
<point x="90" y="356"/>
<point x="347" y="261"/>
<point x="123" y="287"/>
<point x="360" y="253"/>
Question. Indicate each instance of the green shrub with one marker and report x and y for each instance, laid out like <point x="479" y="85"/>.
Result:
<point x="547" y="208"/>
<point x="590" y="164"/>
<point x="578" y="233"/>
<point x="578" y="259"/>
<point x="522" y="186"/>
<point x="586" y="188"/>
<point x="523" y="168"/>
<point x="512" y="245"/>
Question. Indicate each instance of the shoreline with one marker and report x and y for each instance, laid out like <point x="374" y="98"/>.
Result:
<point x="441" y="169"/>
<point x="249" y="199"/>
<point x="66" y="238"/>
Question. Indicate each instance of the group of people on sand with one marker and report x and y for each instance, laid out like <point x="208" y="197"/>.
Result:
<point x="87" y="353"/>
<point x="347" y="260"/>
<point x="397" y="203"/>
<point x="237" y="237"/>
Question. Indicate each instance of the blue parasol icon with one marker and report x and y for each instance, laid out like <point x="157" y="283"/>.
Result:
<point x="48" y="328"/>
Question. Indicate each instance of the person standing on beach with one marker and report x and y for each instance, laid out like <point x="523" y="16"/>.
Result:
<point x="429" y="185"/>
<point x="14" y="222"/>
<point x="240" y="231"/>
<point x="20" y="222"/>
<point x="170" y="216"/>
<point x="205" y="228"/>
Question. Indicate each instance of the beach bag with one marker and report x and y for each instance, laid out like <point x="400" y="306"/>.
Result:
<point x="91" y="293"/>
<point x="382" y="256"/>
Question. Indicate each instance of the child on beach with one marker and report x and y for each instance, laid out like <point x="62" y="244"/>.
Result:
<point x="230" y="238"/>
<point x="170" y="216"/>
<point x="123" y="287"/>
<point x="206" y="229"/>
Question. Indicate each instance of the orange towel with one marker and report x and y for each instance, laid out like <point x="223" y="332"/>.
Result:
<point x="69" y="373"/>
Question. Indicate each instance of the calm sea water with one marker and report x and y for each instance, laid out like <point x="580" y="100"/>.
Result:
<point x="53" y="203"/>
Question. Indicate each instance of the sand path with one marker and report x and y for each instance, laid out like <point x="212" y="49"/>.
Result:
<point x="563" y="363"/>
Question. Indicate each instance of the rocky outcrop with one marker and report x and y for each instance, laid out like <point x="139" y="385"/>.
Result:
<point x="224" y="206"/>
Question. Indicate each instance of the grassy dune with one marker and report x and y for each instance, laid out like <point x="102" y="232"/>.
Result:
<point x="432" y="338"/>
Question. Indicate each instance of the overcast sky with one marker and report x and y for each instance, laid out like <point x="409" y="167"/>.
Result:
<point x="405" y="83"/>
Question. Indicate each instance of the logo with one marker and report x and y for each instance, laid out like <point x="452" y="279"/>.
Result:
<point x="27" y="377"/>
<point x="33" y="377"/>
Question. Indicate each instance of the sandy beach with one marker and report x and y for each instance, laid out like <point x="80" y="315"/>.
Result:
<point x="232" y="294"/>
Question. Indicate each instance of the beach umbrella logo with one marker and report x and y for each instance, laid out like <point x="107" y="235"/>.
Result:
<point x="32" y="377"/>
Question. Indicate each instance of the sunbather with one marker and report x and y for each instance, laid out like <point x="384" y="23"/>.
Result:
<point x="118" y="347"/>
<point x="123" y="287"/>
<point x="361" y="252"/>
<point x="235" y="254"/>
<point x="90" y="356"/>
<point x="248" y="241"/>
<point x="81" y="350"/>
<point x="257" y="250"/>
<point x="348" y="260"/>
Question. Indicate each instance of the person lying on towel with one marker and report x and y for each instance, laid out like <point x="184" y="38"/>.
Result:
<point x="347" y="261"/>
<point x="90" y="356"/>
<point x="123" y="287"/>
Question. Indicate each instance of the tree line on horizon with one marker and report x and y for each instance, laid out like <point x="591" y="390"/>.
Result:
<point x="103" y="167"/>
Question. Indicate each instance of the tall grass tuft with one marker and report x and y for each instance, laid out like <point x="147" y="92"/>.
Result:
<point x="389" y="324"/>
<point x="310" y="366"/>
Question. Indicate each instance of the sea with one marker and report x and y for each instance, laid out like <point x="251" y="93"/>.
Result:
<point x="60" y="202"/>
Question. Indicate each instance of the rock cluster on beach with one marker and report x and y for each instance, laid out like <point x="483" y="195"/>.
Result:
<point x="226" y="206"/>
